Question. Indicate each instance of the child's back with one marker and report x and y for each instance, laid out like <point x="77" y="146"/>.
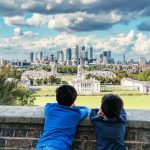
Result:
<point x="109" y="124"/>
<point x="60" y="124"/>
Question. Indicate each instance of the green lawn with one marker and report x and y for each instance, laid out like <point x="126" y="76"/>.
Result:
<point x="50" y="90"/>
<point x="138" y="101"/>
<point x="130" y="102"/>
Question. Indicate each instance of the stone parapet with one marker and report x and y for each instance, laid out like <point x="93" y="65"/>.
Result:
<point x="21" y="126"/>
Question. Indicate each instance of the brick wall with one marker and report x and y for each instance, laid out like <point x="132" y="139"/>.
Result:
<point x="20" y="128"/>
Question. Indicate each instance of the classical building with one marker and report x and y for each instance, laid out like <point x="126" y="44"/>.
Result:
<point x="142" y="86"/>
<point x="37" y="74"/>
<point x="85" y="86"/>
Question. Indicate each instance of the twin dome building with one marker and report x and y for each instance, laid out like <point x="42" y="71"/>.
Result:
<point x="85" y="86"/>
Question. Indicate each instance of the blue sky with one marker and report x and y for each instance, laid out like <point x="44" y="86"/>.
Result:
<point x="32" y="26"/>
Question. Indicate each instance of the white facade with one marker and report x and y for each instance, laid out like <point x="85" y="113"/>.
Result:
<point x="85" y="86"/>
<point x="36" y="74"/>
<point x="142" y="86"/>
<point x="39" y="74"/>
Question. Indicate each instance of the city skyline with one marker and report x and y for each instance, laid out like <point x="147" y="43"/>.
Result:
<point x="48" y="26"/>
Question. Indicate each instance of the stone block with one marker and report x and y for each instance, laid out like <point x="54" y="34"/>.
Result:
<point x="34" y="142"/>
<point x="85" y="128"/>
<point x="34" y="133"/>
<point x="20" y="133"/>
<point x="90" y="145"/>
<point x="2" y="142"/>
<point x="1" y="129"/>
<point x="8" y="132"/>
<point x="131" y="134"/>
<point x="146" y="146"/>
<point x="143" y="135"/>
<point x="19" y="143"/>
<point x="133" y="146"/>
<point x="85" y="135"/>
<point x="78" y="145"/>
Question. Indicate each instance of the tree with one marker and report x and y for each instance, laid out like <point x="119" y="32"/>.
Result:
<point x="38" y="81"/>
<point x="11" y="93"/>
<point x="51" y="79"/>
<point x="144" y="76"/>
<point x="45" y="81"/>
<point x="58" y="80"/>
<point x="9" y="72"/>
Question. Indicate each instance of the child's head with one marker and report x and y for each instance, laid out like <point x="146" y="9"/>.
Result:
<point x="66" y="95"/>
<point x="111" y="105"/>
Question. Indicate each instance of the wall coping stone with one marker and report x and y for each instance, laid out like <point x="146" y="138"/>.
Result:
<point x="137" y="118"/>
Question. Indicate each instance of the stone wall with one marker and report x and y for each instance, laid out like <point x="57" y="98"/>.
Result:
<point x="20" y="128"/>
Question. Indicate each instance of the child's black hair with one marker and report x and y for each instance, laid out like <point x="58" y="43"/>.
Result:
<point x="111" y="105"/>
<point x="66" y="95"/>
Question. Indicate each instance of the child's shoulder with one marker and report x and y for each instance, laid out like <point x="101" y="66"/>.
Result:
<point x="51" y="105"/>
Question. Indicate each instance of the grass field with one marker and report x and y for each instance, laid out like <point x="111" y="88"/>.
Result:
<point x="50" y="90"/>
<point x="132" y="102"/>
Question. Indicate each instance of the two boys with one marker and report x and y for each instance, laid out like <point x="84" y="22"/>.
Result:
<point x="62" y="119"/>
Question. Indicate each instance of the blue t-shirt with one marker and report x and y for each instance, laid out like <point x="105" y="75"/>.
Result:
<point x="109" y="132"/>
<point x="60" y="125"/>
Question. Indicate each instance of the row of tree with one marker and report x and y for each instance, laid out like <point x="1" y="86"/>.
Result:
<point x="104" y="80"/>
<point x="50" y="80"/>
<point x="142" y="76"/>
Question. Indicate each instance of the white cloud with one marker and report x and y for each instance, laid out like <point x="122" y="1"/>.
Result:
<point x="81" y="21"/>
<point x="15" y="20"/>
<point x="88" y="1"/>
<point x="119" y="44"/>
<point x="18" y="33"/>
<point x="34" y="20"/>
<point x="142" y="45"/>
<point x="108" y="13"/>
<point x="38" y="20"/>
<point x="130" y="43"/>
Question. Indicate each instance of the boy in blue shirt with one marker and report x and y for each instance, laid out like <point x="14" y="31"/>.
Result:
<point x="109" y="123"/>
<point x="61" y="120"/>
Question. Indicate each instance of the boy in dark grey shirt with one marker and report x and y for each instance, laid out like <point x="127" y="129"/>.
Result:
<point x="109" y="123"/>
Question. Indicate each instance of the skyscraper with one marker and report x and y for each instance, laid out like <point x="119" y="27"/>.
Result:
<point x="41" y="56"/>
<point x="86" y="55"/>
<point x="142" y="61"/>
<point x="124" y="59"/>
<point x="83" y="48"/>
<point x="91" y="52"/>
<point x="105" y="60"/>
<point x="75" y="52"/>
<point x="68" y="56"/>
<point x="61" y="57"/>
<point x="75" y="55"/>
<point x="107" y="55"/>
<point x="31" y="57"/>
<point x="51" y="57"/>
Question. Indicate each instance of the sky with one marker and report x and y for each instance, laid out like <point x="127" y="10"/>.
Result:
<point x="122" y="26"/>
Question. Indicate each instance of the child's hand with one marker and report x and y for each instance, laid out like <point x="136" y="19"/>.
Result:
<point x="100" y="112"/>
<point x="73" y="105"/>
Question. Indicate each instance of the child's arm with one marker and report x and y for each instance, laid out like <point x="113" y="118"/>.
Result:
<point x="94" y="114"/>
<point x="84" y="111"/>
<point x="123" y="115"/>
